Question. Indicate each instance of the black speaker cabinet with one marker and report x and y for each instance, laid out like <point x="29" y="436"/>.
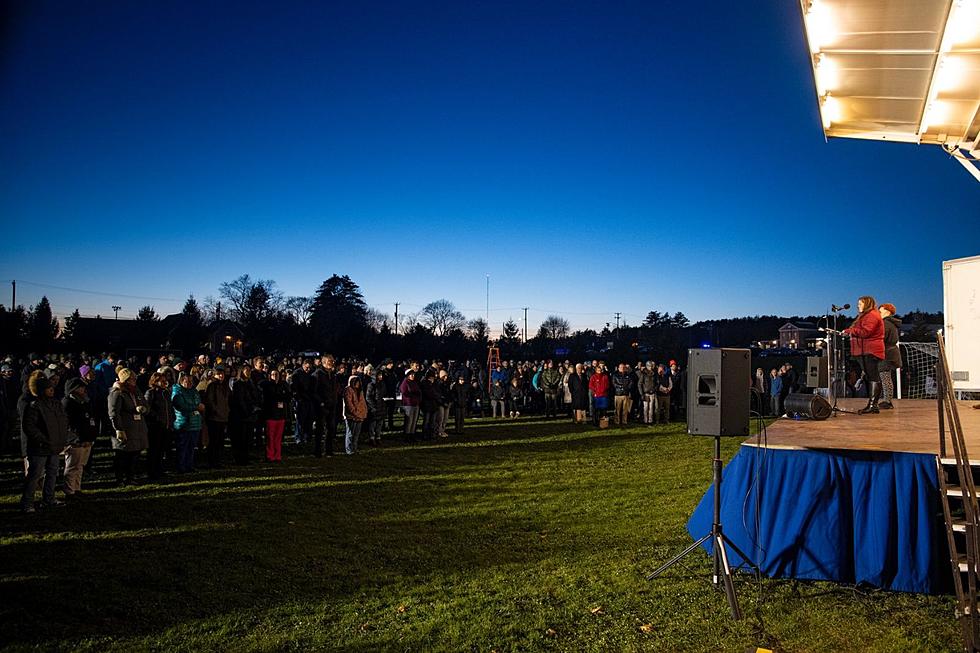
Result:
<point x="718" y="391"/>
<point x="816" y="371"/>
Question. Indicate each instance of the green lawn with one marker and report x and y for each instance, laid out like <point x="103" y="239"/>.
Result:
<point x="516" y="537"/>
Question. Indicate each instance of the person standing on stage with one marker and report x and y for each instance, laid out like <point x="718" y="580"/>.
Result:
<point x="893" y="358"/>
<point x="868" y="347"/>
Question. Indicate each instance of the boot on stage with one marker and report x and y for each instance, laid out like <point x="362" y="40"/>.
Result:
<point x="874" y="394"/>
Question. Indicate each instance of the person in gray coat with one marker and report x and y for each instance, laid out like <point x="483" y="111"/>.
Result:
<point x="44" y="436"/>
<point x="127" y="408"/>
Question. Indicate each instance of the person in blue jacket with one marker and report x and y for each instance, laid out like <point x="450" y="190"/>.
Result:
<point x="776" y="391"/>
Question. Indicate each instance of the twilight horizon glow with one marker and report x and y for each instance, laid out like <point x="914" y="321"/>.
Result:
<point x="591" y="158"/>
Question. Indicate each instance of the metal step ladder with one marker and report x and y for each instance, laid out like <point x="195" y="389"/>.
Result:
<point x="958" y="477"/>
<point x="962" y="556"/>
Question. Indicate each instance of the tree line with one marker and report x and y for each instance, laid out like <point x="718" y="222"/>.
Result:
<point x="336" y="318"/>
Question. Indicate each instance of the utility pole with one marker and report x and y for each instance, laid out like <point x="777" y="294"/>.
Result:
<point x="116" y="310"/>
<point x="13" y="294"/>
<point x="488" y="306"/>
<point x="525" y="324"/>
<point x="396" y="318"/>
<point x="617" y="326"/>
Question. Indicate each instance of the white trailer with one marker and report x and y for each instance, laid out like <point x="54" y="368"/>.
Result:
<point x="961" y="310"/>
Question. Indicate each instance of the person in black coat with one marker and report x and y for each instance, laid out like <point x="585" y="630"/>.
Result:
<point x="462" y="394"/>
<point x="246" y="404"/>
<point x="327" y="391"/>
<point x="893" y="357"/>
<point x="302" y="386"/>
<point x="82" y="430"/>
<point x="578" y="386"/>
<point x="44" y="435"/>
<point x="159" y="424"/>
<point x="377" y="388"/>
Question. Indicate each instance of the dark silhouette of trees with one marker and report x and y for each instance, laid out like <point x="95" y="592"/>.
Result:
<point x="554" y="327"/>
<point x="441" y="317"/>
<point x="71" y="324"/>
<point x="339" y="316"/>
<point x="42" y="326"/>
<point x="147" y="314"/>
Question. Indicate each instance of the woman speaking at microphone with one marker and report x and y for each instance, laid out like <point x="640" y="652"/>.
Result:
<point x="868" y="347"/>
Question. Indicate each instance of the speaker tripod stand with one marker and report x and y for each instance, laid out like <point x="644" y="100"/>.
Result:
<point x="719" y="541"/>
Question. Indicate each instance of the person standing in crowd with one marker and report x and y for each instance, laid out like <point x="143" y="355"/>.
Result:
<point x="374" y="396"/>
<point x="776" y="391"/>
<point x="515" y="397"/>
<point x="550" y="381"/>
<point x="188" y="407"/>
<point x="127" y="410"/>
<point x="498" y="399"/>
<point x="429" y="404"/>
<point x="355" y="412"/>
<point x="326" y="391"/>
<point x="599" y="387"/>
<point x="391" y="377"/>
<point x="648" y="392"/>
<point x="893" y="357"/>
<point x="82" y="431"/>
<point x="664" y="387"/>
<point x="275" y="398"/>
<point x="868" y="348"/>
<point x="44" y="436"/>
<point x="622" y="382"/>
<point x="217" y="409"/>
<point x="9" y="394"/>
<point x="461" y="395"/>
<point x="245" y="406"/>
<point x="444" y="396"/>
<point x="578" y="388"/>
<point x="302" y="385"/>
<point x="159" y="423"/>
<point x="411" y="397"/>
<point x="678" y="395"/>
<point x="105" y="376"/>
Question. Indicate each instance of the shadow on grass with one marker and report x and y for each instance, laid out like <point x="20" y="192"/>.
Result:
<point x="138" y="561"/>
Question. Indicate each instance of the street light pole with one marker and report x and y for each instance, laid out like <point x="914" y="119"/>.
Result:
<point x="116" y="310"/>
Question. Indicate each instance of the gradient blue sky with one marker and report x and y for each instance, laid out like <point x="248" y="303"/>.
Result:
<point x="591" y="157"/>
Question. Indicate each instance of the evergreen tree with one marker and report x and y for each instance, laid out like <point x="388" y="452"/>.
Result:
<point x="42" y="326"/>
<point x="71" y="324"/>
<point x="339" y="316"/>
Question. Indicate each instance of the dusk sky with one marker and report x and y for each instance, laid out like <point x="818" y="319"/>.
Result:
<point x="591" y="157"/>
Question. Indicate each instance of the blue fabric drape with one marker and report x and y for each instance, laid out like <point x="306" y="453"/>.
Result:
<point x="846" y="516"/>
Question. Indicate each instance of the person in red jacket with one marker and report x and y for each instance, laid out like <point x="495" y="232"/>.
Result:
<point x="868" y="347"/>
<point x="599" y="386"/>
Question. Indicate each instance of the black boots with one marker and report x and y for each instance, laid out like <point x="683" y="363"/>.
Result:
<point x="874" y="393"/>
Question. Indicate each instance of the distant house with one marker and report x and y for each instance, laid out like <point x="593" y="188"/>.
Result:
<point x="798" y="335"/>
<point x="227" y="339"/>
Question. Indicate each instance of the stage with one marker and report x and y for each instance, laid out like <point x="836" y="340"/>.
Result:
<point x="851" y="499"/>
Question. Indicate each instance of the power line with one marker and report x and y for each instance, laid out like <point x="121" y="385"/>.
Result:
<point x="95" y="292"/>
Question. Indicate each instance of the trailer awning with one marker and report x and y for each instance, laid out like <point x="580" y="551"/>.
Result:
<point x="898" y="70"/>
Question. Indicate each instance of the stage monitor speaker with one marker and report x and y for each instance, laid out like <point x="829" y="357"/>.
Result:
<point x="816" y="371"/>
<point x="718" y="391"/>
<point x="813" y="407"/>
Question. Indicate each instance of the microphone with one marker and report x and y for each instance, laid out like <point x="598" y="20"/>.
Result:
<point x="835" y="307"/>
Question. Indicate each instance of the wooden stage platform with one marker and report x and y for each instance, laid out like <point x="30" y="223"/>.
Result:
<point x="913" y="427"/>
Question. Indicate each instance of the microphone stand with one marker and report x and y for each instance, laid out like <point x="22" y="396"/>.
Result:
<point x="835" y="342"/>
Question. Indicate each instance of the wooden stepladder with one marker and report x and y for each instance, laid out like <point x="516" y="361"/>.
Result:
<point x="957" y="486"/>
<point x="493" y="363"/>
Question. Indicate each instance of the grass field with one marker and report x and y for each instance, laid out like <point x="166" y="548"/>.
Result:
<point x="518" y="536"/>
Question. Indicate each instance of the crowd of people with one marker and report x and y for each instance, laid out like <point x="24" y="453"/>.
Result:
<point x="184" y="413"/>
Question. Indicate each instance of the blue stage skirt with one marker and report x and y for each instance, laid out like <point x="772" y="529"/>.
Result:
<point x="845" y="516"/>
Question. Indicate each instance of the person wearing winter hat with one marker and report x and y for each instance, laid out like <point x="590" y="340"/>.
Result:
<point x="893" y="357"/>
<point x="82" y="430"/>
<point x="127" y="408"/>
<point x="44" y="435"/>
<point x="355" y="412"/>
